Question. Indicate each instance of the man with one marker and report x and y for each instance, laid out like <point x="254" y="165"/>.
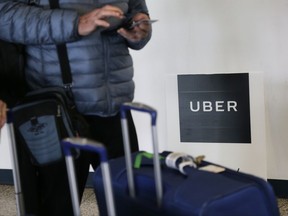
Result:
<point x="102" y="69"/>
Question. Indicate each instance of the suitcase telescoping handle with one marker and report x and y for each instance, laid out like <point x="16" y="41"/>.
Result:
<point x="15" y="165"/>
<point x="92" y="146"/>
<point x="157" y="172"/>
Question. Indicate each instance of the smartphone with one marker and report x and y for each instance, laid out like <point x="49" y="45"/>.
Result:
<point x="141" y="21"/>
<point x="131" y="24"/>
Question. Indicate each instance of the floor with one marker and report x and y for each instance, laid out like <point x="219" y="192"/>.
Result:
<point x="283" y="206"/>
<point x="88" y="206"/>
<point x="8" y="205"/>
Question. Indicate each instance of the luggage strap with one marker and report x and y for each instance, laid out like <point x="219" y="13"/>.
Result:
<point x="64" y="61"/>
<point x="173" y="160"/>
<point x="140" y="156"/>
<point x="178" y="160"/>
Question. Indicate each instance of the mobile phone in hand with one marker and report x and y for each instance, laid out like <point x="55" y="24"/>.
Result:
<point x="141" y="21"/>
<point x="131" y="24"/>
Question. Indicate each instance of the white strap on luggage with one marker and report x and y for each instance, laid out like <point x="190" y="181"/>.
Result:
<point x="185" y="160"/>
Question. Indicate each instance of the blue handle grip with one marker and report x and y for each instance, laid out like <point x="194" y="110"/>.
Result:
<point x="86" y="145"/>
<point x="138" y="107"/>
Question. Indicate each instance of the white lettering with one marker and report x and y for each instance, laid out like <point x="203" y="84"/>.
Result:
<point x="209" y="106"/>
<point x="219" y="106"/>
<point x="197" y="108"/>
<point x="231" y="105"/>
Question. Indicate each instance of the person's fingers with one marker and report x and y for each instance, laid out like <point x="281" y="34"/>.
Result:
<point x="98" y="18"/>
<point x="134" y="35"/>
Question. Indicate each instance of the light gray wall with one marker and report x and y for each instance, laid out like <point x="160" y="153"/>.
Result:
<point x="195" y="36"/>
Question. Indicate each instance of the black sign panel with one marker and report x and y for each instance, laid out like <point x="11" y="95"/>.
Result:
<point x="214" y="108"/>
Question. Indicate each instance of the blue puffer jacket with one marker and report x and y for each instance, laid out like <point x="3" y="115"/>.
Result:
<point x="101" y="65"/>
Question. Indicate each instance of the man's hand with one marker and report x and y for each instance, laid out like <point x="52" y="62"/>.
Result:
<point x="139" y="32"/>
<point x="91" y="21"/>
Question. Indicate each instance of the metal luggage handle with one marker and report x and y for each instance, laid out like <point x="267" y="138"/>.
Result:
<point x="157" y="171"/>
<point x="92" y="146"/>
<point x="15" y="164"/>
<point x="138" y="107"/>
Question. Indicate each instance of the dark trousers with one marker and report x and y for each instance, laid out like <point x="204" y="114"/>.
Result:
<point x="46" y="189"/>
<point x="107" y="131"/>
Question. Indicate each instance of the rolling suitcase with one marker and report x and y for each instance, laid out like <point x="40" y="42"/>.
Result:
<point x="69" y="144"/>
<point x="185" y="189"/>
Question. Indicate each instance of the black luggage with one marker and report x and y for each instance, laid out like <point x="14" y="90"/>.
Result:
<point x="37" y="125"/>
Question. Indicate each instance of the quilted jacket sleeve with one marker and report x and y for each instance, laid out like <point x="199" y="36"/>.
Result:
<point x="21" y="23"/>
<point x="138" y="6"/>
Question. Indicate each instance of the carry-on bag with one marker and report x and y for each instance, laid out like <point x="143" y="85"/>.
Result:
<point x="84" y="144"/>
<point x="42" y="119"/>
<point x="188" y="186"/>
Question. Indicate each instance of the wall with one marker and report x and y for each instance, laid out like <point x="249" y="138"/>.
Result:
<point x="204" y="36"/>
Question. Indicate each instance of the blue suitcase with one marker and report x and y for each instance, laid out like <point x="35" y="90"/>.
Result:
<point x="144" y="191"/>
